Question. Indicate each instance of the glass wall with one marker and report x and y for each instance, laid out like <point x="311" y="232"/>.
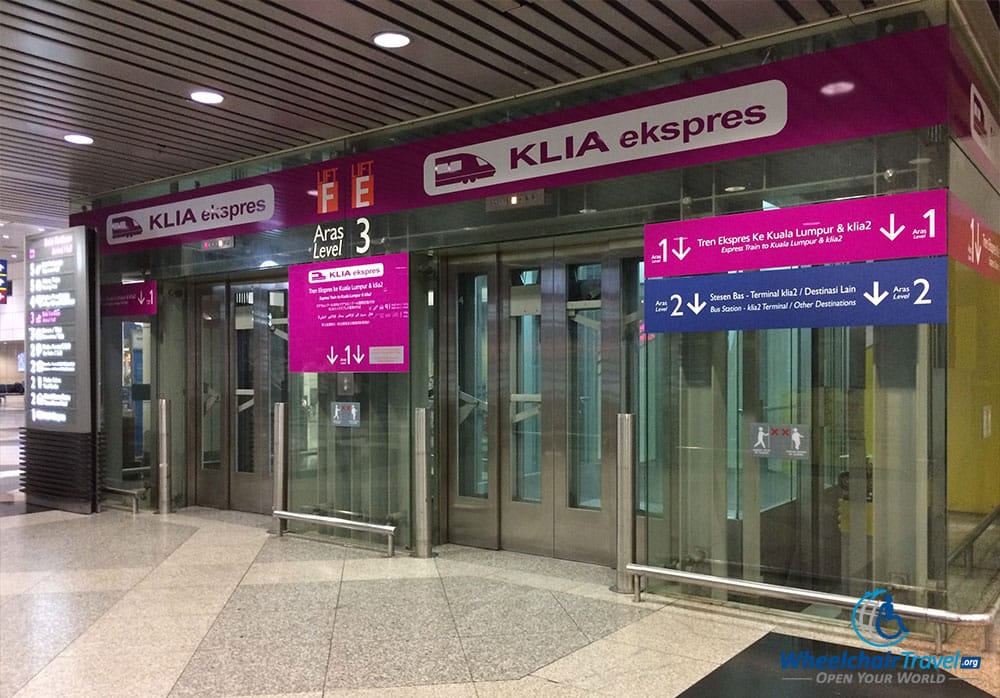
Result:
<point x="851" y="508"/>
<point x="349" y="450"/>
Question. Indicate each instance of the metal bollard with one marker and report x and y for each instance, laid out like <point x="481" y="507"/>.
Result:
<point x="626" y="502"/>
<point x="280" y="478"/>
<point x="163" y="465"/>
<point x="421" y="488"/>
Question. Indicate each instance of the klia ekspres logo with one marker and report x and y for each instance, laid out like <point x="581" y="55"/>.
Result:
<point x="876" y="622"/>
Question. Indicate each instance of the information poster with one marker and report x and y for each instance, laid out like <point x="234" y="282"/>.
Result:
<point x="57" y="332"/>
<point x="350" y="315"/>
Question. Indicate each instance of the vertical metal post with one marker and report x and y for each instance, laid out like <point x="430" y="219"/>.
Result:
<point x="421" y="486"/>
<point x="626" y="501"/>
<point x="280" y="476"/>
<point x="163" y="450"/>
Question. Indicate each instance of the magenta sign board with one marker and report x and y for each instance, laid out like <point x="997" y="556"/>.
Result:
<point x="971" y="241"/>
<point x="350" y="315"/>
<point x="125" y="300"/>
<point x="817" y="98"/>
<point x="856" y="230"/>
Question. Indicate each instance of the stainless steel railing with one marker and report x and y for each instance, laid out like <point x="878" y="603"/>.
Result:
<point x="744" y="586"/>
<point x="626" y="502"/>
<point x="334" y="522"/>
<point x="163" y="456"/>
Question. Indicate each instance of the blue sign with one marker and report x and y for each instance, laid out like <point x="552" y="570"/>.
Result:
<point x="897" y="292"/>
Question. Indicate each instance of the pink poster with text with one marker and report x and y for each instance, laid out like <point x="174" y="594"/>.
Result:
<point x="349" y="315"/>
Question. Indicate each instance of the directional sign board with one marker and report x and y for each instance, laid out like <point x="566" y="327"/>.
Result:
<point x="898" y="292"/>
<point x="128" y="300"/>
<point x="3" y="281"/>
<point x="971" y="241"/>
<point x="350" y="315"/>
<point x="857" y="230"/>
<point x="58" y="326"/>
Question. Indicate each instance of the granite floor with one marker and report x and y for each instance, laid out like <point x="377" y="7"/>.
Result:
<point x="210" y="603"/>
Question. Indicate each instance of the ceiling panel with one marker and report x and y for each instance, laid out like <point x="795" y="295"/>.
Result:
<point x="296" y="72"/>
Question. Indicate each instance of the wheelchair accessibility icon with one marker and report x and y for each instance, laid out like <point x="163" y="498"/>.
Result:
<point x="876" y="622"/>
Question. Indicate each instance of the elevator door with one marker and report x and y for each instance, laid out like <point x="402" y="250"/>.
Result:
<point x="533" y="394"/>
<point x="242" y="369"/>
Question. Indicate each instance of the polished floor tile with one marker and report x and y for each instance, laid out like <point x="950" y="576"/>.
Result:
<point x="208" y="603"/>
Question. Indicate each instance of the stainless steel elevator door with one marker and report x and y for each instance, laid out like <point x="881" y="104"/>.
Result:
<point x="242" y="370"/>
<point x="532" y="403"/>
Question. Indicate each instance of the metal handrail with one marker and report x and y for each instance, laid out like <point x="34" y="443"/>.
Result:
<point x="334" y="522"/>
<point x="937" y="616"/>
<point x="969" y="541"/>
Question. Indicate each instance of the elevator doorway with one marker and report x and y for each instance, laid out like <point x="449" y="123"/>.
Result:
<point x="241" y="367"/>
<point x="534" y="370"/>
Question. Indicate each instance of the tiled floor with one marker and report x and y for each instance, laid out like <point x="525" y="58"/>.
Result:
<point x="206" y="603"/>
<point x="209" y="603"/>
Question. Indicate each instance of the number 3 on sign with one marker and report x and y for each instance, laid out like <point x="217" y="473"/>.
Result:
<point x="366" y="239"/>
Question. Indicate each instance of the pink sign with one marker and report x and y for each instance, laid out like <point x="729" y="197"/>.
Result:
<point x="125" y="300"/>
<point x="349" y="315"/>
<point x="971" y="242"/>
<point x="885" y="227"/>
<point x="816" y="98"/>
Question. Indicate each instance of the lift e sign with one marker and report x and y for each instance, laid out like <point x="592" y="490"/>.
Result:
<point x="738" y="114"/>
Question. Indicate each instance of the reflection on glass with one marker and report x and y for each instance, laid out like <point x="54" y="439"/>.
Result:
<point x="583" y="397"/>
<point x="243" y="315"/>
<point x="525" y="381"/>
<point x="473" y="376"/>
<point x="211" y="348"/>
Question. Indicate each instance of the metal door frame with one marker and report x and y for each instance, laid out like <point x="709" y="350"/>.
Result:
<point x="226" y="488"/>
<point x="497" y="521"/>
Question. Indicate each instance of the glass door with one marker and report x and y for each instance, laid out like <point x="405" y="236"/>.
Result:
<point x="242" y="350"/>
<point x="533" y="356"/>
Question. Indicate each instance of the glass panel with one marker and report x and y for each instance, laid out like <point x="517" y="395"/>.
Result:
<point x="277" y="354"/>
<point x="244" y="369"/>
<point x="355" y="468"/>
<point x="525" y="384"/>
<point x="137" y="417"/>
<point x="211" y="350"/>
<point x="473" y="383"/>
<point x="583" y="397"/>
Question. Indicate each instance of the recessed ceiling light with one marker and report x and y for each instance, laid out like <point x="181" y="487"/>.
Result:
<point x="735" y="188"/>
<point x="78" y="139"/>
<point x="920" y="161"/>
<point x="206" y="97"/>
<point x="841" y="87"/>
<point x="390" y="39"/>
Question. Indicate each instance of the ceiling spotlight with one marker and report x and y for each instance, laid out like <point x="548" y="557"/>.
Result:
<point x="206" y="97"/>
<point x="841" y="87"/>
<point x="390" y="39"/>
<point x="78" y="139"/>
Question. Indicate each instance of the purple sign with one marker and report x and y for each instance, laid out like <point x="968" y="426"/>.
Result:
<point x="817" y="98"/>
<point x="892" y="292"/>
<point x="125" y="300"/>
<point x="351" y="315"/>
<point x="857" y="230"/>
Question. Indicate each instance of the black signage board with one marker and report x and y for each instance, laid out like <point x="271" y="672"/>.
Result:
<point x="59" y="458"/>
